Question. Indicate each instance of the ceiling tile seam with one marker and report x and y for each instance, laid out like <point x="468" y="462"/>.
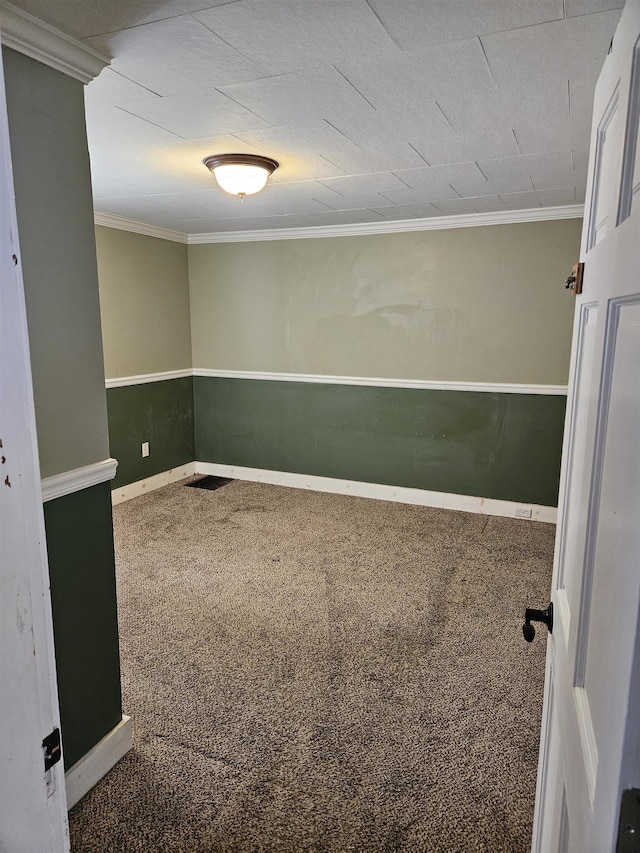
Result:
<point x="359" y="147"/>
<point x="569" y="97"/>
<point x="153" y="124"/>
<point x="244" y="141"/>
<point x="382" y="24"/>
<point x="564" y="9"/>
<point x="445" y="116"/>
<point x="418" y="153"/>
<point x="353" y="86"/>
<point x="480" y="170"/>
<point x="331" y="189"/>
<point x="99" y="14"/>
<point x="213" y="32"/>
<point x="135" y="82"/>
<point x="486" y="59"/>
<point x="515" y="136"/>
<point x="248" y="109"/>
<point x="456" y="191"/>
<point x="396" y="175"/>
<point x="135" y="26"/>
<point x="335" y="166"/>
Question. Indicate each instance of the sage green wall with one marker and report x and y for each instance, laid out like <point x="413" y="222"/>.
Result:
<point x="55" y="222"/>
<point x="144" y="299"/>
<point x="83" y="599"/>
<point x="504" y="446"/>
<point x="158" y="412"/>
<point x="57" y="245"/>
<point x="482" y="304"/>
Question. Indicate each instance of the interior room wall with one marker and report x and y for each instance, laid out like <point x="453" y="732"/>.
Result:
<point x="144" y="303"/>
<point x="483" y="305"/>
<point x="51" y="174"/>
<point x="144" y="300"/>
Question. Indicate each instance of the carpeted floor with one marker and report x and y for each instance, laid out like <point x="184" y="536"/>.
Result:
<point x="314" y="673"/>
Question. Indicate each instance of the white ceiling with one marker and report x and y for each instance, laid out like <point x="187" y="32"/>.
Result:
<point x="377" y="110"/>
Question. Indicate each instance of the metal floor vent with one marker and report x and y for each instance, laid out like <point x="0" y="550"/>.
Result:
<point x="211" y="483"/>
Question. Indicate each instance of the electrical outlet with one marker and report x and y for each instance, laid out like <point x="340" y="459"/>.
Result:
<point x="523" y="512"/>
<point x="145" y="448"/>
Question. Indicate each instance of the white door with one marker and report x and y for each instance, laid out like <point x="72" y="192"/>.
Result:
<point x="33" y="816"/>
<point x="590" y="744"/>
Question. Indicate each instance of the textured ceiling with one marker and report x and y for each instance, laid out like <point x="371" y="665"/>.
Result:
<point x="376" y="109"/>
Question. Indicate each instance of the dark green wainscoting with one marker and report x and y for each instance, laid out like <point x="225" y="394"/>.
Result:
<point x="504" y="446"/>
<point x="83" y="597"/>
<point x="158" y="412"/>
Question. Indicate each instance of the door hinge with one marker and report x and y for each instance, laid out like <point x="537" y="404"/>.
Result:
<point x="52" y="749"/>
<point x="629" y="823"/>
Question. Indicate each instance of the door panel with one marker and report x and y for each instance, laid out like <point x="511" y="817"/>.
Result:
<point x="587" y="732"/>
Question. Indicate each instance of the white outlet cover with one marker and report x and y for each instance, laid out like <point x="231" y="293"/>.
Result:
<point x="145" y="448"/>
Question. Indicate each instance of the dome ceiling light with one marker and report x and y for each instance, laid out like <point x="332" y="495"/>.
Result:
<point x="241" y="174"/>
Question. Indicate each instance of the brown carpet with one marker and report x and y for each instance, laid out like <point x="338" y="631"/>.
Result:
<point x="314" y="673"/>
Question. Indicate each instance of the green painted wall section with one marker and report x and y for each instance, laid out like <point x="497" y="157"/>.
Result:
<point x="504" y="446"/>
<point x="158" y="412"/>
<point x="83" y="596"/>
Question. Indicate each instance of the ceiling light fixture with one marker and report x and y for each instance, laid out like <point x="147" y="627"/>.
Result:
<point x="241" y="174"/>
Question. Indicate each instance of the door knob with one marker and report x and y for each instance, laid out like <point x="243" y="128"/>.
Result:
<point x="531" y="615"/>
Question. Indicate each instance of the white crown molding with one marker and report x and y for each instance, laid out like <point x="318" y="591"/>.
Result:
<point x="435" y="223"/>
<point x="421" y="384"/>
<point x="68" y="482"/>
<point x="111" y="220"/>
<point x="144" y="378"/>
<point x="31" y="36"/>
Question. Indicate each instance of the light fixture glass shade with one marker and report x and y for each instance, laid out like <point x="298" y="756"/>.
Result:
<point x="240" y="174"/>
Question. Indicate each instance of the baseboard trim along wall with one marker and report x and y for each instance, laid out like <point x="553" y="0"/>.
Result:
<point x="399" y="494"/>
<point x="378" y="382"/>
<point x="77" y="479"/>
<point x="87" y="772"/>
<point x="149" y="484"/>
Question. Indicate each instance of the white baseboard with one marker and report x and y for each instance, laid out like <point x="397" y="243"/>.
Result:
<point x="141" y="487"/>
<point x="87" y="772"/>
<point x="401" y="494"/>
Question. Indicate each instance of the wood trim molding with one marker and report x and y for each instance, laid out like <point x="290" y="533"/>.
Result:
<point x="32" y="37"/>
<point x="88" y="771"/>
<point x="378" y="382"/>
<point x="149" y="484"/>
<point x="144" y="378"/>
<point x="400" y="494"/>
<point x="68" y="482"/>
<point x="421" y="384"/>
<point x="111" y="220"/>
